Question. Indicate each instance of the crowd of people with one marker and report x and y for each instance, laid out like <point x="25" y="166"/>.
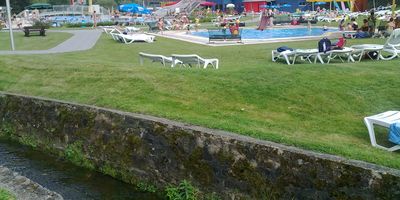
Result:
<point x="369" y="26"/>
<point x="266" y="18"/>
<point x="180" y="21"/>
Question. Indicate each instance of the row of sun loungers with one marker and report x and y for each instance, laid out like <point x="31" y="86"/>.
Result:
<point x="391" y="49"/>
<point x="128" y="39"/>
<point x="191" y="60"/>
<point x="312" y="55"/>
<point x="115" y="29"/>
<point x="174" y="60"/>
<point x="128" y="35"/>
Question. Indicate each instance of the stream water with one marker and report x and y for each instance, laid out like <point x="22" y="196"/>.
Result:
<point x="70" y="181"/>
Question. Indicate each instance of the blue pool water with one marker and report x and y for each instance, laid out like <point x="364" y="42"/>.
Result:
<point x="274" y="33"/>
<point x="70" y="19"/>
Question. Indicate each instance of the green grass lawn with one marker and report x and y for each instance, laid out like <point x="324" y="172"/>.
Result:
<point x="51" y="40"/>
<point x="313" y="106"/>
<point x="6" y="195"/>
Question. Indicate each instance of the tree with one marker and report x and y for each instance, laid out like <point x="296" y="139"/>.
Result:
<point x="105" y="3"/>
<point x="18" y="6"/>
<point x="58" y="2"/>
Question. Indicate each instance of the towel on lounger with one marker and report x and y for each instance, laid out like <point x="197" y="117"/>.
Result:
<point x="394" y="133"/>
<point x="283" y="48"/>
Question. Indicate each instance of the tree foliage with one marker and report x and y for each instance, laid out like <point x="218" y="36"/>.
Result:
<point x="105" y="3"/>
<point x="17" y="6"/>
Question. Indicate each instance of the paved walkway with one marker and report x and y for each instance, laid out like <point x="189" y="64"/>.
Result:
<point x="80" y="41"/>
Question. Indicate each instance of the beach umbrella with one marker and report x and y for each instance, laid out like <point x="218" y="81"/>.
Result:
<point x="39" y="6"/>
<point x="230" y="5"/>
<point x="133" y="8"/>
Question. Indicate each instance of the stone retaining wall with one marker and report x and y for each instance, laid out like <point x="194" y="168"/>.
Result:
<point x="136" y="147"/>
<point x="23" y="188"/>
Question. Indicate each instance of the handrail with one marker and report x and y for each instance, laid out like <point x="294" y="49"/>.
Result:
<point x="184" y="5"/>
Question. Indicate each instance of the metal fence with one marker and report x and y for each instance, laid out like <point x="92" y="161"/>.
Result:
<point x="381" y="3"/>
<point x="76" y="10"/>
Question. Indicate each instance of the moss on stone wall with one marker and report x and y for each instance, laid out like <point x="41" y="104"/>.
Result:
<point x="7" y="130"/>
<point x="200" y="169"/>
<point x="75" y="154"/>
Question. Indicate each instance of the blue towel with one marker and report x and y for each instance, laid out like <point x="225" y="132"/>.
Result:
<point x="362" y="35"/>
<point x="394" y="133"/>
<point x="283" y="48"/>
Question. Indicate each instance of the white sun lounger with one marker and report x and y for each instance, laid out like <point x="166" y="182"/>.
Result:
<point x="128" y="39"/>
<point x="131" y="29"/>
<point x="157" y="58"/>
<point x="291" y="56"/>
<point x="286" y="55"/>
<point x="336" y="53"/>
<point x="392" y="45"/>
<point x="114" y="29"/>
<point x="363" y="49"/>
<point x="115" y="34"/>
<point x="108" y="29"/>
<point x="383" y="119"/>
<point x="304" y="54"/>
<point x="195" y="59"/>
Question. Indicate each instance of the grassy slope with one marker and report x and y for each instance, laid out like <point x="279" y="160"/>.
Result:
<point x="318" y="107"/>
<point x="52" y="39"/>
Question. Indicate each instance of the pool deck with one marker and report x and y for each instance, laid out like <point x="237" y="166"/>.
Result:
<point x="183" y="36"/>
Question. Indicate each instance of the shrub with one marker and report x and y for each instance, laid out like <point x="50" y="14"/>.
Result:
<point x="40" y="24"/>
<point x="88" y="24"/>
<point x="105" y="23"/>
<point x="184" y="191"/>
<point x="146" y="187"/>
<point x="78" y="25"/>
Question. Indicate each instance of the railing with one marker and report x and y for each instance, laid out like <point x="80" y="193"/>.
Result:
<point x="184" y="6"/>
<point x="72" y="10"/>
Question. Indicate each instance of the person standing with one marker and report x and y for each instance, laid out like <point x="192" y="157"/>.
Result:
<point x="160" y="25"/>
<point x="397" y="21"/>
<point x="268" y="16"/>
<point x="390" y="27"/>
<point x="341" y="25"/>
<point x="372" y="23"/>
<point x="197" y="23"/>
<point x="94" y="18"/>
<point x="271" y="17"/>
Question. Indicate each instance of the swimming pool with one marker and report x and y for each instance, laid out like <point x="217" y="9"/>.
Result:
<point x="274" y="33"/>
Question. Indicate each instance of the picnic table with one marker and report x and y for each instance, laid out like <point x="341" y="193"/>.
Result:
<point x="29" y="29"/>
